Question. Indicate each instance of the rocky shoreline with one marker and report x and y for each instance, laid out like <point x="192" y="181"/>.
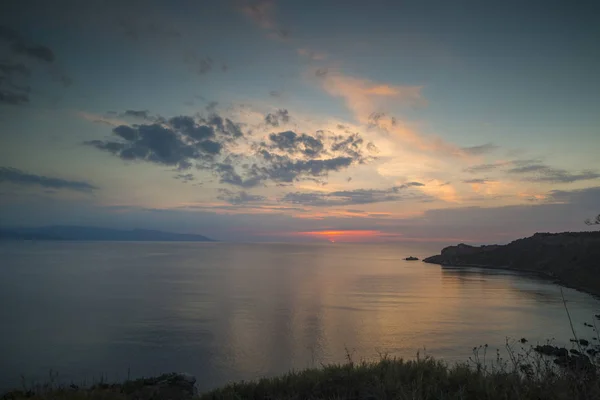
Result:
<point x="571" y="259"/>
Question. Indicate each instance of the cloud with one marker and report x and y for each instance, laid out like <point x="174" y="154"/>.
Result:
<point x="358" y="196"/>
<point x="280" y="116"/>
<point x="588" y="198"/>
<point x="312" y="55"/>
<point x="12" y="98"/>
<point x="262" y="13"/>
<point x="157" y="144"/>
<point x="483" y="167"/>
<point x="284" y="169"/>
<point x="481" y="149"/>
<point x="499" y="164"/>
<point x="364" y="97"/>
<point x="16" y="176"/>
<point x="185" y="178"/>
<point x="141" y="114"/>
<point x="20" y="46"/>
<point x="239" y="198"/>
<point x="8" y="68"/>
<point x="102" y="119"/>
<point x="321" y="72"/>
<point x="208" y="143"/>
<point x="477" y="181"/>
<point x="292" y="143"/>
<point x="15" y="70"/>
<point x="543" y="173"/>
<point x="369" y="102"/>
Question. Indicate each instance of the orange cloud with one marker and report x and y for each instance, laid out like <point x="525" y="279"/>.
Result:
<point x="364" y="97"/>
<point x="369" y="101"/>
<point x="442" y="190"/>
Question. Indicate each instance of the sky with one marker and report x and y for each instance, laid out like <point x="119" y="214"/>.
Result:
<point x="275" y="120"/>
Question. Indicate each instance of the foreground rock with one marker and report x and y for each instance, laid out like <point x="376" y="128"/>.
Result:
<point x="572" y="258"/>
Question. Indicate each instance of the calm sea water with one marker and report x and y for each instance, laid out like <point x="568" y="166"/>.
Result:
<point x="226" y="312"/>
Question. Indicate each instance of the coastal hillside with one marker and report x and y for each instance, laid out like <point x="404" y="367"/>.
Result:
<point x="573" y="258"/>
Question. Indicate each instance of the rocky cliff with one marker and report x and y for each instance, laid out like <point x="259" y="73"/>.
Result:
<point x="573" y="258"/>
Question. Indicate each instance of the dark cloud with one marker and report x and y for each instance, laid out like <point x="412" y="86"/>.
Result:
<point x="159" y="144"/>
<point x="544" y="173"/>
<point x="358" y="196"/>
<point x="207" y="143"/>
<point x="372" y="148"/>
<point x="482" y="168"/>
<point x="321" y="72"/>
<point x="275" y="93"/>
<point x="481" y="149"/>
<point x="375" y="118"/>
<point x="228" y="174"/>
<point x="188" y="126"/>
<point x="350" y="145"/>
<point x="588" y="198"/>
<point x="185" y="178"/>
<point x="16" y="176"/>
<point x="280" y="116"/>
<point x="211" y="107"/>
<point x="15" y="68"/>
<point x="141" y="114"/>
<point x="200" y="65"/>
<point x="7" y="68"/>
<point x="20" y="46"/>
<point x="494" y="166"/>
<point x="210" y="147"/>
<point x="12" y="98"/>
<point x="528" y="168"/>
<point x="292" y="143"/>
<point x="477" y="181"/>
<point x="238" y="198"/>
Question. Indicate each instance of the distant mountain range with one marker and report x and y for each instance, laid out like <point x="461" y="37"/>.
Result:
<point x="85" y="233"/>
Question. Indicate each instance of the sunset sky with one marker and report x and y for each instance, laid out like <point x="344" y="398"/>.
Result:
<point x="438" y="121"/>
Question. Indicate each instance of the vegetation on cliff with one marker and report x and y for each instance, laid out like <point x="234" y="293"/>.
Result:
<point x="572" y="258"/>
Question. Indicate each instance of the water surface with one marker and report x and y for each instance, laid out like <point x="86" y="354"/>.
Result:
<point x="225" y="312"/>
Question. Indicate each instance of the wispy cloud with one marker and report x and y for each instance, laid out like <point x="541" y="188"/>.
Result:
<point x="262" y="13"/>
<point x="544" y="173"/>
<point x="357" y="196"/>
<point x="15" y="66"/>
<point x="19" y="177"/>
<point x="238" y="198"/>
<point x="371" y="101"/>
<point x="101" y="119"/>
<point x="481" y="149"/>
<point x="311" y="54"/>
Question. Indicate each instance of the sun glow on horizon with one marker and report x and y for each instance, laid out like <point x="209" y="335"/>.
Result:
<point x="357" y="235"/>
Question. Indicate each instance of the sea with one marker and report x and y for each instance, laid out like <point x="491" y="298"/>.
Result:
<point x="84" y="312"/>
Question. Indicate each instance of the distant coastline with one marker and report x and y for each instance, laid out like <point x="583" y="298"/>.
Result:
<point x="88" y="233"/>
<point x="571" y="259"/>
